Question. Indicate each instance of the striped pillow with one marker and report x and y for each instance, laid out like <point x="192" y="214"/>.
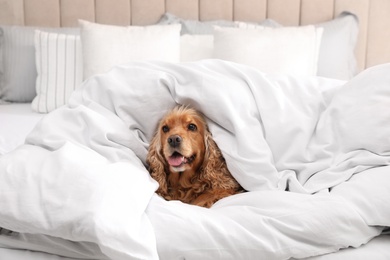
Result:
<point x="59" y="67"/>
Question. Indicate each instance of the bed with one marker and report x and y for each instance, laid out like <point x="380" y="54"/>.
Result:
<point x="296" y="94"/>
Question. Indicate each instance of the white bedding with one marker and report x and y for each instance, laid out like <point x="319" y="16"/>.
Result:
<point x="16" y="121"/>
<point x="80" y="176"/>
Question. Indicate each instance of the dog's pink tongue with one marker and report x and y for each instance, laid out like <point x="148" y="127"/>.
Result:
<point x="176" y="160"/>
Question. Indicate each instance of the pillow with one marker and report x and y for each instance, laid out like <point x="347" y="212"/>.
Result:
<point x="196" y="42"/>
<point x="290" y="50"/>
<point x="203" y="27"/>
<point x="193" y="26"/>
<point x="18" y="70"/>
<point x="106" y="45"/>
<point x="337" y="51"/>
<point x="59" y="66"/>
<point x="196" y="47"/>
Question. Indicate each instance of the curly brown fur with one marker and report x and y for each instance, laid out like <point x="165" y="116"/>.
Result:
<point x="187" y="163"/>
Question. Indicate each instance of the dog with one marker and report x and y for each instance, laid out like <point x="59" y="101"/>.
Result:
<point x="186" y="162"/>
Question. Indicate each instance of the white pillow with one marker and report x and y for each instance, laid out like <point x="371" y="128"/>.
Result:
<point x="337" y="53"/>
<point x="336" y="58"/>
<point x="197" y="40"/>
<point x="59" y="68"/>
<point x="195" y="47"/>
<point x="106" y="45"/>
<point x="290" y="50"/>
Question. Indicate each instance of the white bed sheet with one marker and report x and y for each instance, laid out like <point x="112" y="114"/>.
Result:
<point x="16" y="121"/>
<point x="378" y="249"/>
<point x="30" y="246"/>
<point x="11" y="248"/>
<point x="15" y="254"/>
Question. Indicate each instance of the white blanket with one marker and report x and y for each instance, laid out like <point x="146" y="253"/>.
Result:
<point x="81" y="176"/>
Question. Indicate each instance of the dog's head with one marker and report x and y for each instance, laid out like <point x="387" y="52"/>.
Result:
<point x="185" y="160"/>
<point x="182" y="138"/>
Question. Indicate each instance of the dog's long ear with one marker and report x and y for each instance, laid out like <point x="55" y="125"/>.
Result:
<point x="156" y="163"/>
<point x="214" y="166"/>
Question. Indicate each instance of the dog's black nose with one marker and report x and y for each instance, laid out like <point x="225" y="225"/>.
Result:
<point x="174" y="140"/>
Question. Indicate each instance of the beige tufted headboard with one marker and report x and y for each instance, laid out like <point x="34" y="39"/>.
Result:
<point x="374" y="15"/>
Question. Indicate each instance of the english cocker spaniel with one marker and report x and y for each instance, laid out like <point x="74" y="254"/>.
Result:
<point x="187" y="163"/>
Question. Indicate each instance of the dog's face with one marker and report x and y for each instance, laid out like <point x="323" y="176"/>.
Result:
<point x="182" y="135"/>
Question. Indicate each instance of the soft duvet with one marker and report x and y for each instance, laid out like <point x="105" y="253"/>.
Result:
<point x="313" y="154"/>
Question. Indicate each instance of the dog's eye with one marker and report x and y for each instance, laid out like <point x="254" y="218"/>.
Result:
<point x="165" y="129"/>
<point x="192" y="127"/>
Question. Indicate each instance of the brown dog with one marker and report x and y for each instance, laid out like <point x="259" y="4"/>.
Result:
<point x="187" y="163"/>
